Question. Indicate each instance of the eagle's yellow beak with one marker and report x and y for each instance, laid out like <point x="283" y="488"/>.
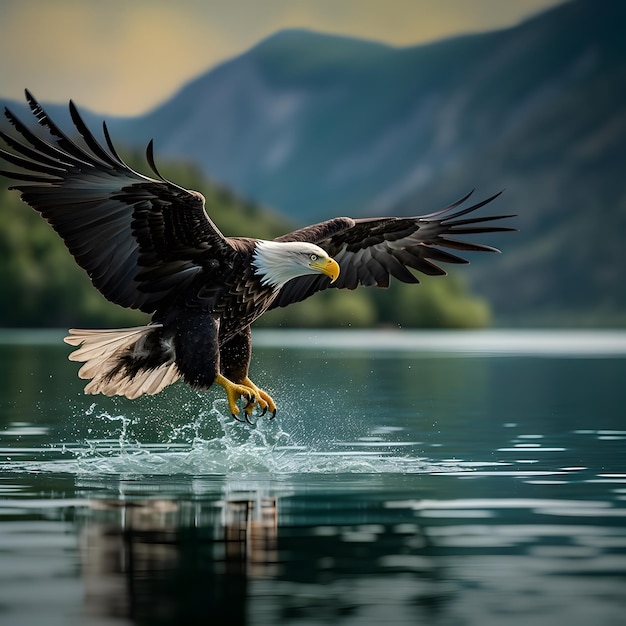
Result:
<point x="327" y="266"/>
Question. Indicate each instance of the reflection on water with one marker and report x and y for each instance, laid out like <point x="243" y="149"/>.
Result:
<point x="396" y="485"/>
<point x="241" y="555"/>
<point x="167" y="561"/>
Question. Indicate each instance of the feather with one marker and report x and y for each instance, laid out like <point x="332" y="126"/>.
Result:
<point x="372" y="250"/>
<point x="140" y="240"/>
<point x="105" y="355"/>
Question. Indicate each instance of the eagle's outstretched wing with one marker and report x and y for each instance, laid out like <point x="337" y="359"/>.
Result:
<point x="140" y="239"/>
<point x="370" y="251"/>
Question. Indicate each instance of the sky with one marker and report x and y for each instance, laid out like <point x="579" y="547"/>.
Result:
<point x="124" y="57"/>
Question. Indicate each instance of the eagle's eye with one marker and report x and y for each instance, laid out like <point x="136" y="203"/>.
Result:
<point x="313" y="257"/>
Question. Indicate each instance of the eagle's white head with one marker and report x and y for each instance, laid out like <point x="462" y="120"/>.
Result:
<point x="277" y="262"/>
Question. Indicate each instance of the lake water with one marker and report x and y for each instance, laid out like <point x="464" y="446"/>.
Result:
<point x="408" y="478"/>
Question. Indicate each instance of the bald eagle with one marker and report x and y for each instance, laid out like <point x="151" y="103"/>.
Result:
<point x="148" y="244"/>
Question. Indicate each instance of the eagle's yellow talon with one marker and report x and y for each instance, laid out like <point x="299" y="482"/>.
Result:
<point x="253" y="395"/>
<point x="234" y="391"/>
<point x="263" y="399"/>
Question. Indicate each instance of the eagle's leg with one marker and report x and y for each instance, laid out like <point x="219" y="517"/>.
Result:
<point x="235" y="355"/>
<point x="198" y="356"/>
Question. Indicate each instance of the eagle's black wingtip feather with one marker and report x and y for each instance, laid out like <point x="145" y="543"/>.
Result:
<point x="150" y="159"/>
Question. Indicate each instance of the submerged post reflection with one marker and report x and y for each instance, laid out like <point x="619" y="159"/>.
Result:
<point x="167" y="561"/>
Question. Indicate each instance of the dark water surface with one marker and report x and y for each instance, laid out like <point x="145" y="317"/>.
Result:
<point x="447" y="478"/>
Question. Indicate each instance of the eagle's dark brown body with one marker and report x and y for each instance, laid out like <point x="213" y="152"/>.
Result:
<point x="148" y="244"/>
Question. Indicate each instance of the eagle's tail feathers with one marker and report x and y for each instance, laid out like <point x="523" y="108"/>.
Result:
<point x="146" y="382"/>
<point x="128" y="362"/>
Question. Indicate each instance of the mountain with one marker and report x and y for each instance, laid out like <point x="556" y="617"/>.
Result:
<point x="316" y="125"/>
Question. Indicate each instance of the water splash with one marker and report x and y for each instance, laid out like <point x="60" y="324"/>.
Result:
<point x="211" y="443"/>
